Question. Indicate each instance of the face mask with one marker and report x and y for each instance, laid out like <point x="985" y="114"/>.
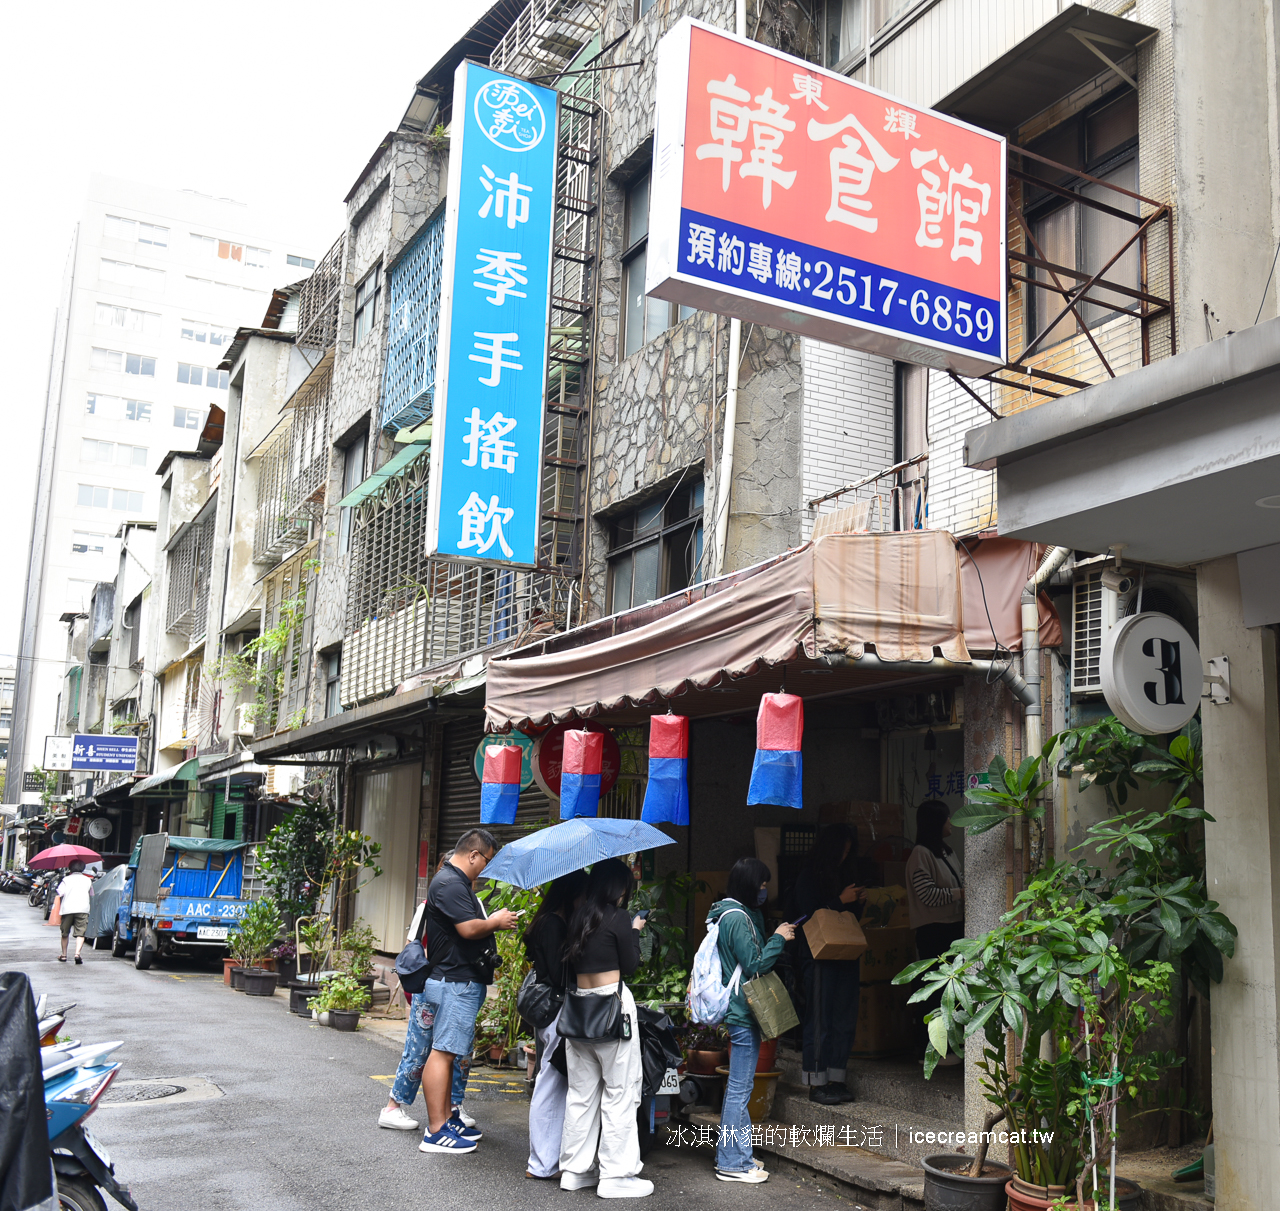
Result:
<point x="761" y="896"/>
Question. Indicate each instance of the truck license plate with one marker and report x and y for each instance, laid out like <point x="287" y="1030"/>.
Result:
<point x="211" y="933"/>
<point x="670" y="1082"/>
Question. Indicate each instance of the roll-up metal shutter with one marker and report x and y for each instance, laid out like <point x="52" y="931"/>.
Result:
<point x="460" y="792"/>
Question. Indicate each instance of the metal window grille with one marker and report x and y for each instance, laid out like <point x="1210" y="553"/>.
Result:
<point x="406" y="612"/>
<point x="546" y="36"/>
<point x="1089" y="626"/>
<point x="293" y="472"/>
<point x="190" y="565"/>
<point x="409" y="377"/>
<point x="287" y="598"/>
<point x="320" y="300"/>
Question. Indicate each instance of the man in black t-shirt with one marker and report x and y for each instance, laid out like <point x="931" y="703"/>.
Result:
<point x="458" y="934"/>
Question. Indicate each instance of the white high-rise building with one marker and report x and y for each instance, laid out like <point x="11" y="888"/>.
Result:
<point x="156" y="283"/>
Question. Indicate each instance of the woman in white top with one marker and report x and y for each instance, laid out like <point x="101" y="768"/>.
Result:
<point x="73" y="892"/>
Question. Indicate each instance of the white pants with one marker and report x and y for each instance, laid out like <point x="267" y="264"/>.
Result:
<point x="604" y="1095"/>
<point x="546" y="1109"/>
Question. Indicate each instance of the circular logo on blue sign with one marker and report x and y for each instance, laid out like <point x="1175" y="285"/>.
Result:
<point x="510" y="115"/>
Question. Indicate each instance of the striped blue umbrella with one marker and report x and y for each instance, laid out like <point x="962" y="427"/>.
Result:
<point x="551" y="852"/>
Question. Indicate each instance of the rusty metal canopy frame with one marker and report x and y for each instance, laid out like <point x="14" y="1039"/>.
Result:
<point x="1074" y="287"/>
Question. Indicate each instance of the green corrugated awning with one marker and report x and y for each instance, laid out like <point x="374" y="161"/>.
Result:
<point x="186" y="772"/>
<point x="390" y="469"/>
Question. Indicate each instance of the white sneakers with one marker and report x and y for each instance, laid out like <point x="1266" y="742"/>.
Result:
<point x="624" y="1187"/>
<point x="753" y="1176"/>
<point x="579" y="1181"/>
<point x="396" y="1120"/>
<point x="461" y="1111"/>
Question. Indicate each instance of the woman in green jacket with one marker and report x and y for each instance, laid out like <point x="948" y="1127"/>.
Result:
<point x="742" y="945"/>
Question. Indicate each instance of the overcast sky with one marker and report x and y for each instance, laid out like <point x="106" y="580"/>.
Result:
<point x="273" y="103"/>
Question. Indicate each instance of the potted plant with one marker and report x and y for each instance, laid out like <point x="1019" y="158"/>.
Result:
<point x="501" y="1027"/>
<point x="705" y="1048"/>
<point x="242" y="955"/>
<point x="356" y="948"/>
<point x="285" y="955"/>
<point x="258" y="928"/>
<point x="343" y="998"/>
<point x="1073" y="976"/>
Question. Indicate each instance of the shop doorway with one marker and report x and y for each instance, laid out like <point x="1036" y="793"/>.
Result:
<point x="389" y="810"/>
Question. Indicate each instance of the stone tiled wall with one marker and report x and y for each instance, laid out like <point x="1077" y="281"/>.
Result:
<point x="848" y="422"/>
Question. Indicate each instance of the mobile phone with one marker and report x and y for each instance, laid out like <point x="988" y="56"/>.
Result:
<point x="800" y="920"/>
<point x="643" y="914"/>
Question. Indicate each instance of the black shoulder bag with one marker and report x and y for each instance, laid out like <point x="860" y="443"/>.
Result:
<point x="538" y="1003"/>
<point x="594" y="1019"/>
<point x="413" y="968"/>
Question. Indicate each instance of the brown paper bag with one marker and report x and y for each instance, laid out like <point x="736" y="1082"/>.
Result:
<point x="55" y="914"/>
<point x="835" y="935"/>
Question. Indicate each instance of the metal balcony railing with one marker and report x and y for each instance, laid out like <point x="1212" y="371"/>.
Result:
<point x="320" y="300"/>
<point x="409" y="376"/>
<point x="546" y="36"/>
<point x="190" y="566"/>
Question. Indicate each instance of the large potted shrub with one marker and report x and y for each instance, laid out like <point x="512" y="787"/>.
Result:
<point x="1079" y="969"/>
<point x="355" y="951"/>
<point x="259" y="927"/>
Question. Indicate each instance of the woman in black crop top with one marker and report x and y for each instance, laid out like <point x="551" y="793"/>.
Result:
<point x="600" y="1143"/>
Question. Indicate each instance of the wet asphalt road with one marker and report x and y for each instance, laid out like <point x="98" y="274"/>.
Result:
<point x="290" y="1120"/>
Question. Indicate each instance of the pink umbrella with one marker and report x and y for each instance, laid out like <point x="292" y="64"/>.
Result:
<point x="62" y="855"/>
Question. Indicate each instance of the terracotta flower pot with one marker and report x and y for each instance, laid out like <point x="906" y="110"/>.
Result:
<point x="705" y="1063"/>
<point x="1023" y="1196"/>
<point x="768" y="1055"/>
<point x="227" y="965"/>
<point x="764" y="1089"/>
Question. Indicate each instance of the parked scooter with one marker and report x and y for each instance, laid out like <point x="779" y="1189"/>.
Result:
<point x="39" y="886"/>
<point x="75" y="1078"/>
<point x="17" y="882"/>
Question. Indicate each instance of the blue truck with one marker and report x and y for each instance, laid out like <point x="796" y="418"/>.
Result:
<point x="182" y="896"/>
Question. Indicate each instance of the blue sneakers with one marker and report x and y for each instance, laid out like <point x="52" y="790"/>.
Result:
<point x="455" y="1124"/>
<point x="445" y="1140"/>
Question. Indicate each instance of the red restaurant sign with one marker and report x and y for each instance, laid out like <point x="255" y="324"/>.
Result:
<point x="797" y="198"/>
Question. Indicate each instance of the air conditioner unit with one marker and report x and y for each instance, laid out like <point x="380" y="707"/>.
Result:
<point x="244" y="724"/>
<point x="1095" y="608"/>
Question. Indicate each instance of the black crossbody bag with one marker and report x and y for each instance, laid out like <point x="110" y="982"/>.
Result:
<point x="594" y="1019"/>
<point x="413" y="968"/>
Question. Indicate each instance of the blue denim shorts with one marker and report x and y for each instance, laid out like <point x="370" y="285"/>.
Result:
<point x="457" y="1007"/>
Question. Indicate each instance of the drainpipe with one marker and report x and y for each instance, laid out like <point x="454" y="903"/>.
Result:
<point x="724" y="478"/>
<point x="998" y="670"/>
<point x="1034" y="717"/>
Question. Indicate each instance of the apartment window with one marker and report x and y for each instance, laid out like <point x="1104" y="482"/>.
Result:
<point x="656" y="549"/>
<point x="199" y="376"/>
<point x="140" y="233"/>
<point x="95" y="496"/>
<point x="642" y="7"/>
<point x="367" y="295"/>
<point x="1102" y="143"/>
<point x="332" y="684"/>
<point x="92" y="451"/>
<point x="257" y="258"/>
<point x="106" y="359"/>
<point x="844" y="34"/>
<point x="211" y="245"/>
<point x="85" y="543"/>
<point x="128" y="318"/>
<point x="135" y="363"/>
<point x="112" y="407"/>
<point x="131" y="275"/>
<point x="205" y="334"/>
<point x="352" y="475"/>
<point x="301" y="262"/>
<point x="645" y="317"/>
<point x="187" y="418"/>
<point x="132" y="621"/>
<point x="888" y="11"/>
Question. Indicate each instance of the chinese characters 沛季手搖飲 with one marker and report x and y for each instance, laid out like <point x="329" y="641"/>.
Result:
<point x="507" y="197"/>
<point x="500" y="273"/>
<point x="492" y="351"/>
<point x="487" y="444"/>
<point x="482" y="525"/>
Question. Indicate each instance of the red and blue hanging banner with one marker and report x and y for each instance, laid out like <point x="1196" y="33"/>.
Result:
<point x="500" y="785"/>
<point x="777" y="774"/>
<point x="580" y="777"/>
<point x="666" y="797"/>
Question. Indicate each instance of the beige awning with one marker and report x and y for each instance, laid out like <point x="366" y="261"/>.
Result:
<point x="900" y="593"/>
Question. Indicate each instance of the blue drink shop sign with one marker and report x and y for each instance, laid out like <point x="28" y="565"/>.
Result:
<point x="486" y="447"/>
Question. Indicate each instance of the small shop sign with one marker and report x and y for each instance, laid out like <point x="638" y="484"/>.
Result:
<point x="1151" y="673"/>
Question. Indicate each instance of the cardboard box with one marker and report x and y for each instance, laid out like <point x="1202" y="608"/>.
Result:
<point x="888" y="952"/>
<point x="835" y="935"/>
<point x="886" y="908"/>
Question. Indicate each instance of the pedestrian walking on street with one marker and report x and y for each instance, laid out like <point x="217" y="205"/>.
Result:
<point x="742" y="948"/>
<point x="601" y="1142"/>
<point x="935" y="892"/>
<point x="73" y="892"/>
<point x="545" y="941"/>
<point x="459" y="950"/>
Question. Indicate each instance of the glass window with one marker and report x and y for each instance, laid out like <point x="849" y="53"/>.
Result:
<point x="352" y="475"/>
<point x="91" y="496"/>
<point x="257" y="258"/>
<point x="367" y="294"/>
<point x="643" y="317"/>
<point x="186" y="418"/>
<point x="333" y="684"/>
<point x="106" y="359"/>
<point x="301" y="262"/>
<point x="136" y="410"/>
<point x="656" y="548"/>
<point x="135" y="363"/>
<point x="204" y="244"/>
<point x="119" y="229"/>
<point x="194" y="375"/>
<point x="844" y="31"/>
